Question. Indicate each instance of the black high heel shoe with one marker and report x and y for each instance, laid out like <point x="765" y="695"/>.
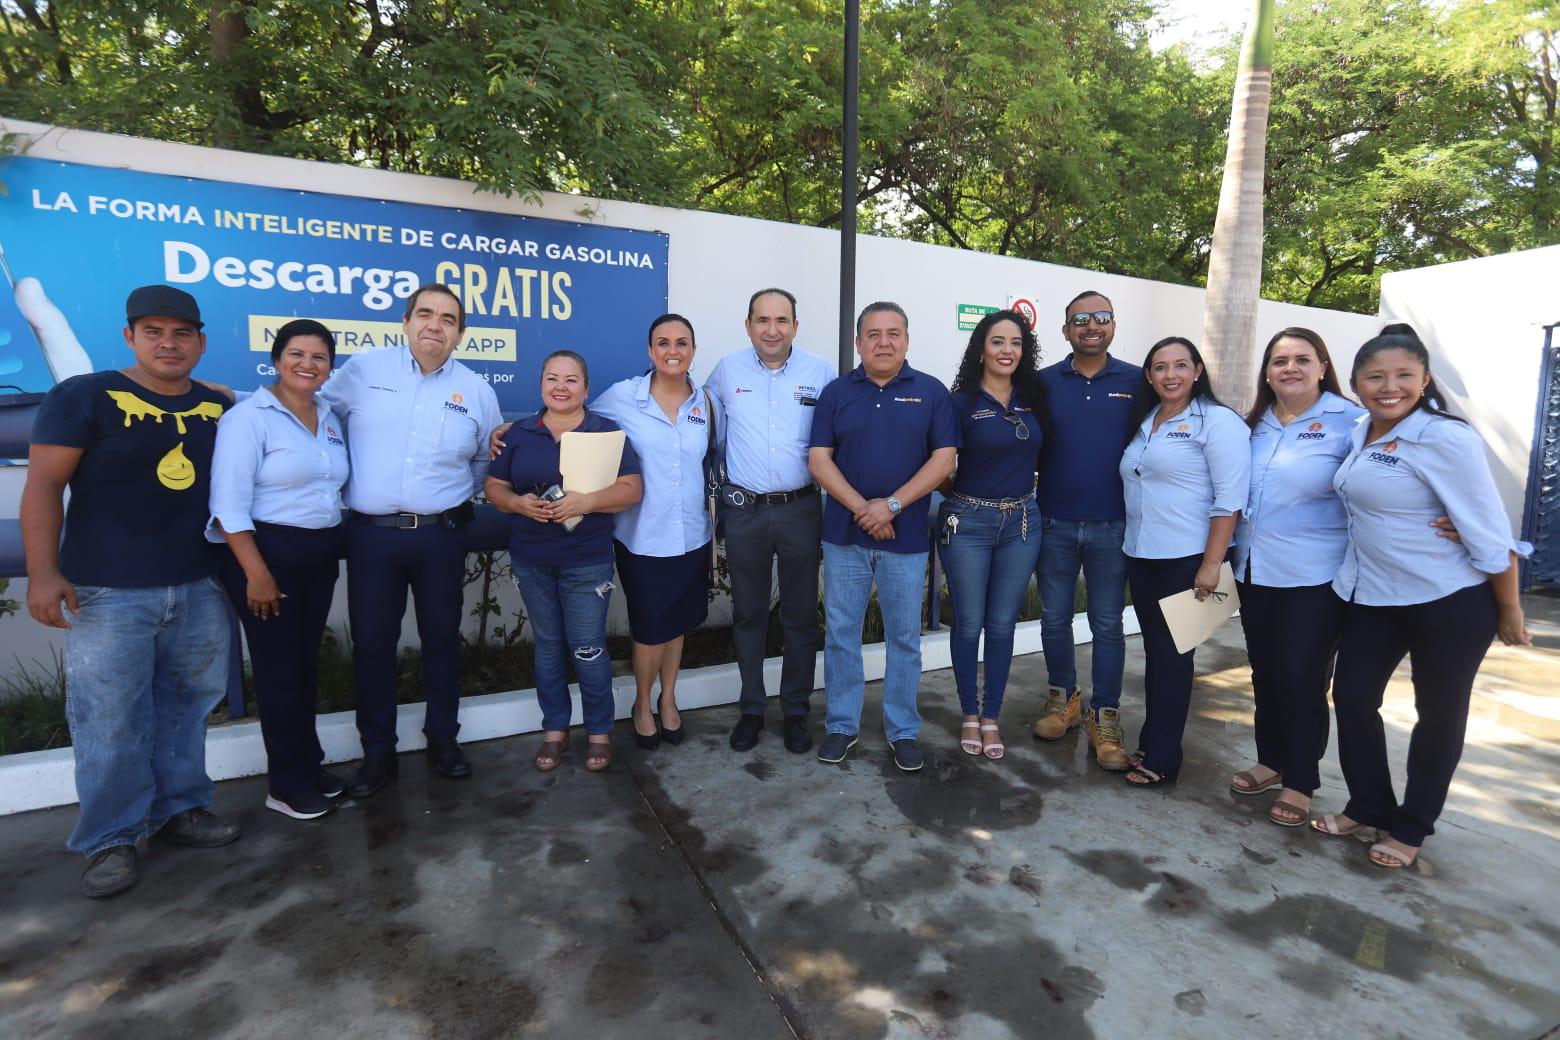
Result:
<point x="653" y="741"/>
<point x="671" y="736"/>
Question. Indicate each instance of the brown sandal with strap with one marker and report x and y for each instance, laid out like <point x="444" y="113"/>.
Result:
<point x="598" y="756"/>
<point x="550" y="754"/>
<point x="1288" y="814"/>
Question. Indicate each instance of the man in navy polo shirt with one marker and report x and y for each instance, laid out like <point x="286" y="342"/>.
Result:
<point x="883" y="438"/>
<point x="1083" y="516"/>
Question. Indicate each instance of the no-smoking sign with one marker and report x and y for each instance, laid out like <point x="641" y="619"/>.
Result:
<point x="1027" y="309"/>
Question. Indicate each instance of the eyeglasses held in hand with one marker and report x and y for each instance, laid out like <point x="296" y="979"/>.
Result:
<point x="1020" y="428"/>
<point x="1100" y="318"/>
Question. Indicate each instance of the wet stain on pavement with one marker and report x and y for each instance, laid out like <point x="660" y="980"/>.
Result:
<point x="1121" y="867"/>
<point x="758" y="770"/>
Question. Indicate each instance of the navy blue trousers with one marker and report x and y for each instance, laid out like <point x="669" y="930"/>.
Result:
<point x="284" y="650"/>
<point x="1291" y="641"/>
<point x="1167" y="675"/>
<point x="1445" y="640"/>
<point x="383" y="563"/>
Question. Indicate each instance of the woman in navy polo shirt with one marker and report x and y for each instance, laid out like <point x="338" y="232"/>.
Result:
<point x="1410" y="591"/>
<point x="662" y="544"/>
<point x="276" y="476"/>
<point x="1290" y="541"/>
<point x="988" y="522"/>
<point x="564" y="576"/>
<point x="1186" y="472"/>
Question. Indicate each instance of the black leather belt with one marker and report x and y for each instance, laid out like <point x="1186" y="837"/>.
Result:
<point x="741" y="497"/>
<point x="450" y="518"/>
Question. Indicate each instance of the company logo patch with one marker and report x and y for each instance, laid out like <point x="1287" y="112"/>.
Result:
<point x="908" y="400"/>
<point x="1180" y="433"/>
<point x="983" y="413"/>
<point x="457" y="398"/>
<point x="1315" y="432"/>
<point x="1385" y="456"/>
<point x="696" y="416"/>
<point x="332" y="437"/>
<point x="742" y="390"/>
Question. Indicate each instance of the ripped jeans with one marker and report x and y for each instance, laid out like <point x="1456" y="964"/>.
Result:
<point x="567" y="608"/>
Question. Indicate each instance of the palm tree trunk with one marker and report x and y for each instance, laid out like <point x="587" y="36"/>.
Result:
<point x="1235" y="266"/>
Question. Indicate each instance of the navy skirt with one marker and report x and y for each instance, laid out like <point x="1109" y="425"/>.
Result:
<point x="668" y="596"/>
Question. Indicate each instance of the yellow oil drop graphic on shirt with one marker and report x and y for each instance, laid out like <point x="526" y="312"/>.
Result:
<point x="175" y="470"/>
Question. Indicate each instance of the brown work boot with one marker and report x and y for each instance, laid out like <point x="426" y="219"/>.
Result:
<point x="1105" y="737"/>
<point x="1062" y="714"/>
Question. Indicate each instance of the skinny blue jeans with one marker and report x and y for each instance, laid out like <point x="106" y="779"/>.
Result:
<point x="988" y="558"/>
<point x="849" y="573"/>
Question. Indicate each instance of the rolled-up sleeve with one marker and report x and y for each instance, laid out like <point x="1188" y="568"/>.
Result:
<point x="235" y="465"/>
<point x="1227" y="447"/>
<point x="1454" y="465"/>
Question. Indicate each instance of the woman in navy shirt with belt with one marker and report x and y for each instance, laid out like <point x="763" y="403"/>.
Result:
<point x="1290" y="541"/>
<point x="276" y="476"/>
<point x="1410" y="591"/>
<point x="989" y="524"/>
<point x="564" y="575"/>
<point x="1186" y="472"/>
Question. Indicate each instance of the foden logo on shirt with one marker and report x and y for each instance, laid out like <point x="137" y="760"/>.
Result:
<point x="455" y="404"/>
<point x="1385" y="456"/>
<point x="695" y="416"/>
<point x="1181" y="432"/>
<point x="333" y="437"/>
<point x="1314" y="432"/>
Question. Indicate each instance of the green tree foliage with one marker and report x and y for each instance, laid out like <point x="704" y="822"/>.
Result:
<point x="1403" y="132"/>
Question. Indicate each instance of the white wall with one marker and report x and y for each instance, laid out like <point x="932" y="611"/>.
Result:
<point x="716" y="262"/>
<point x="1483" y="321"/>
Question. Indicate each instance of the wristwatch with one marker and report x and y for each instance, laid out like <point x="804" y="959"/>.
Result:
<point x="893" y="505"/>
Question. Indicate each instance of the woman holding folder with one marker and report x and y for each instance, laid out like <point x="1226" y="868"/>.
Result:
<point x="564" y="569"/>
<point x="1186" y="472"/>
<point x="1290" y="541"/>
<point x="1410" y="591"/>
<point x="663" y="543"/>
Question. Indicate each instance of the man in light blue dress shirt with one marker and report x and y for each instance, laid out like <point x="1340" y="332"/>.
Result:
<point x="418" y="424"/>
<point x="766" y="398"/>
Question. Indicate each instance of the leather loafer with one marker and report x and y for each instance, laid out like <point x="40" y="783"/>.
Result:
<point x="797" y="739"/>
<point x="447" y="758"/>
<point x="111" y="872"/>
<point x="744" y="735"/>
<point x="370" y="777"/>
<point x="199" y="828"/>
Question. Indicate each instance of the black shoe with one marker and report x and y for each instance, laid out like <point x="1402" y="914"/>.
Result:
<point x="110" y="872"/>
<point x="797" y="739"/>
<point x="671" y="736"/>
<point x="306" y="805"/>
<point x="375" y="772"/>
<point x="907" y="756"/>
<point x="200" y="828"/>
<point x="447" y="758"/>
<point x="744" y="735"/>
<point x="330" y="785"/>
<point x="836" y="746"/>
<point x="653" y="741"/>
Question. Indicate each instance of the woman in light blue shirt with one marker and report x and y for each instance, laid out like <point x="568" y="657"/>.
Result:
<point x="276" y="476"/>
<point x="662" y="543"/>
<point x="1186" y="472"/>
<point x="1288" y="545"/>
<point x="1410" y="591"/>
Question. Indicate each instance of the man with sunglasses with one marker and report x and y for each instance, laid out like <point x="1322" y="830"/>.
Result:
<point x="1083" y="517"/>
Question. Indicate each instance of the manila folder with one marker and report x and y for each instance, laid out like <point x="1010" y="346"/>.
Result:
<point x="589" y="461"/>
<point x="1191" y="621"/>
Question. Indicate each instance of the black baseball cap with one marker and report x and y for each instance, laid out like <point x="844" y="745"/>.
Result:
<point x="163" y="301"/>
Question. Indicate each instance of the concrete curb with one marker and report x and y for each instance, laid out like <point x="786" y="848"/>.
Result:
<point x="44" y="779"/>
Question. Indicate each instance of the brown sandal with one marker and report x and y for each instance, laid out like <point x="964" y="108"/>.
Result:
<point x="1288" y="814"/>
<point x="550" y="754"/>
<point x="1252" y="784"/>
<point x="598" y="756"/>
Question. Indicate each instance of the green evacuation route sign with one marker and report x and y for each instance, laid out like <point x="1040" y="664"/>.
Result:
<point x="970" y="315"/>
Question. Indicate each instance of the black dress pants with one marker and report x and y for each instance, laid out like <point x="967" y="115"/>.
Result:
<point x="757" y="537"/>
<point x="284" y="650"/>
<point x="1445" y="640"/>
<point x="1291" y="640"/>
<point x="1167" y="674"/>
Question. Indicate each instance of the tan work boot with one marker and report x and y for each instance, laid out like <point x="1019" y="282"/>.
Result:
<point x="1062" y="714"/>
<point x="1105" y="737"/>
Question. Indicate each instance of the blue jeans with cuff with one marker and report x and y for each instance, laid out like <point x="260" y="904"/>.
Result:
<point x="567" y="608"/>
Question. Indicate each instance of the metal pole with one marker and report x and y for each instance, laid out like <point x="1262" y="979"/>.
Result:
<point x="847" y="359"/>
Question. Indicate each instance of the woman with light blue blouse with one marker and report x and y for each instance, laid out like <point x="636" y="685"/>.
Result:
<point x="276" y="476"/>
<point x="1288" y="545"/>
<point x="662" y="543"/>
<point x="1186" y="472"/>
<point x="1411" y="592"/>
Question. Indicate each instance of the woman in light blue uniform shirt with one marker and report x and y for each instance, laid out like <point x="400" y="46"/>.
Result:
<point x="1186" y="472"/>
<point x="1290" y="541"/>
<point x="1410" y="591"/>
<point x="662" y="543"/>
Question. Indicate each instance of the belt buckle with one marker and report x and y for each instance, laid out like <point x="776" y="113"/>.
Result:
<point x="416" y="520"/>
<point x="775" y="498"/>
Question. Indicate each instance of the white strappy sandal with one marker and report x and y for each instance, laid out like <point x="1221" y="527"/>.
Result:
<point x="996" y="750"/>
<point x="970" y="745"/>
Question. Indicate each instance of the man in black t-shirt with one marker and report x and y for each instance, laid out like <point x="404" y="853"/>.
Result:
<point x="147" y="640"/>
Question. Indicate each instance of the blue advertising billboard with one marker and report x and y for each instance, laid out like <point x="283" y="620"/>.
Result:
<point x="81" y="237"/>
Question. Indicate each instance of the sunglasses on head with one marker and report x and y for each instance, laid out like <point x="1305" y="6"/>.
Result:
<point x="1100" y="318"/>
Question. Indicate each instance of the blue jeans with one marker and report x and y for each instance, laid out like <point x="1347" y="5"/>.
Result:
<point x="1095" y="546"/>
<point x="567" y="608"/>
<point x="143" y="669"/>
<point x="849" y="572"/>
<point x="988" y="561"/>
